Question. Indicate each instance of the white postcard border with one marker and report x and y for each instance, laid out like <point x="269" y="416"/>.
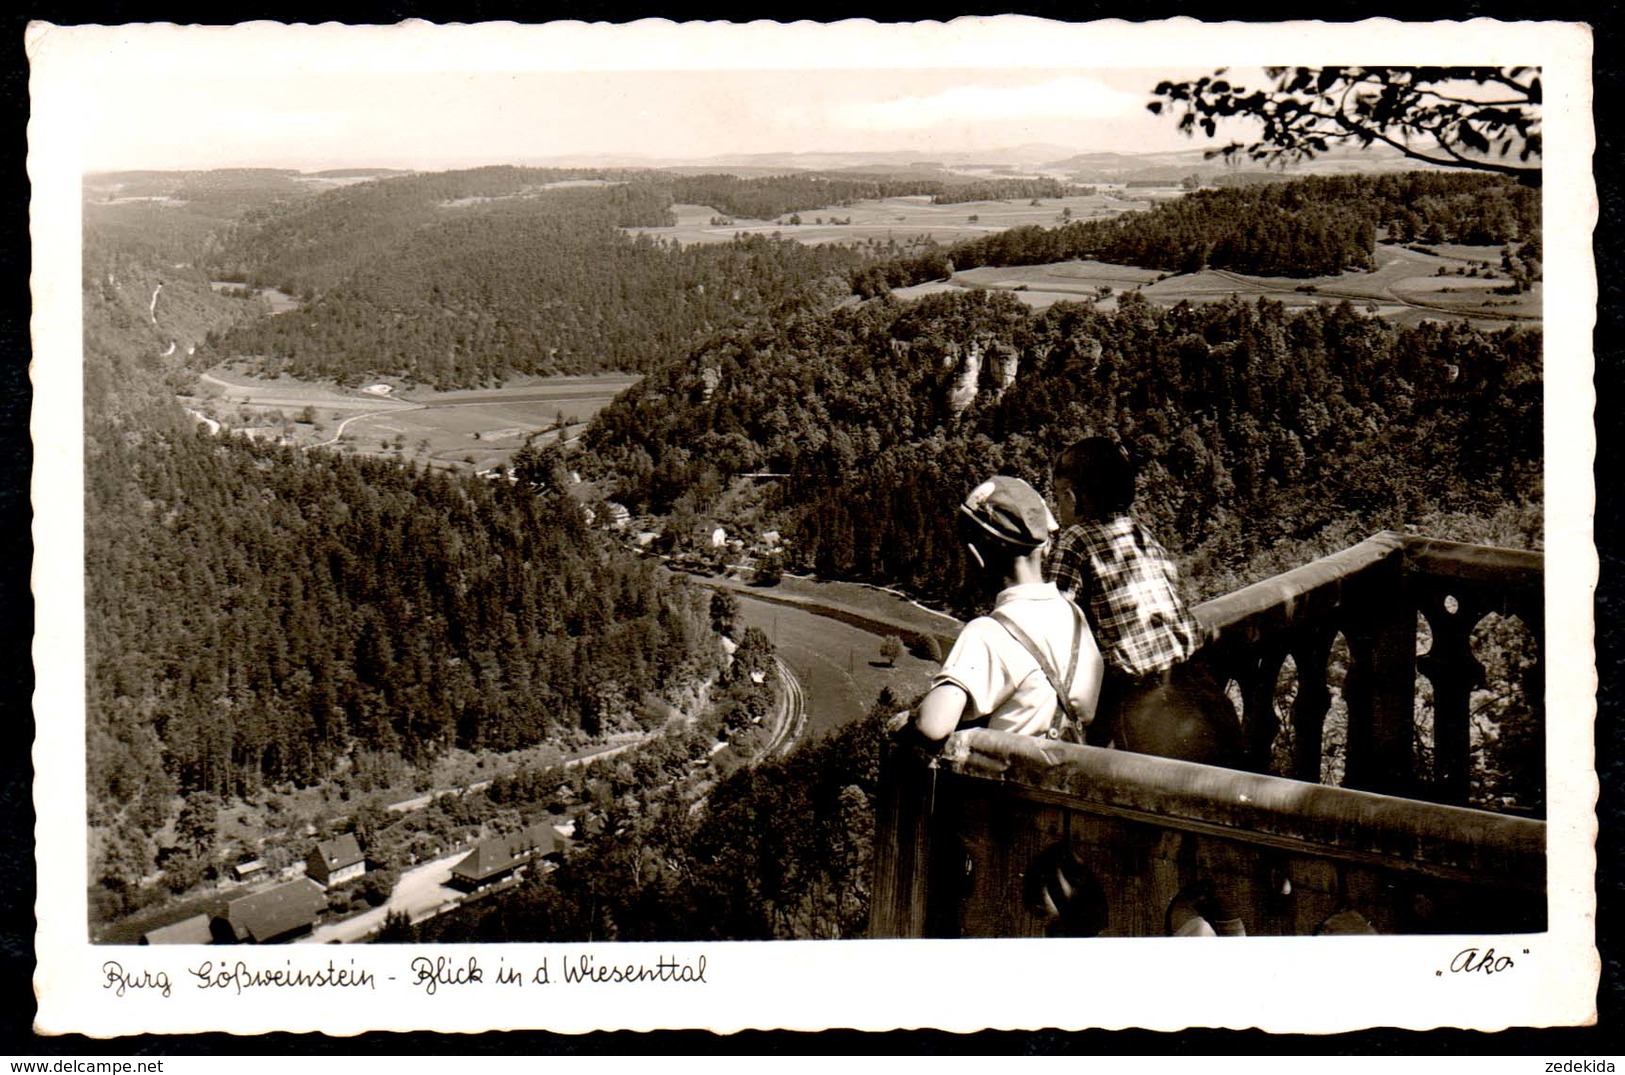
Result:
<point x="1280" y="984"/>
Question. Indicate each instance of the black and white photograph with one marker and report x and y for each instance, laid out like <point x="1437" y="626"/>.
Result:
<point x="1093" y="511"/>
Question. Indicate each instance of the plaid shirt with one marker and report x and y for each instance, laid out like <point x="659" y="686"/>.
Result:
<point x="1125" y="580"/>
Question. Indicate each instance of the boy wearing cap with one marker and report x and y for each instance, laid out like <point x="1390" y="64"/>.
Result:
<point x="1030" y="666"/>
<point x="1152" y="701"/>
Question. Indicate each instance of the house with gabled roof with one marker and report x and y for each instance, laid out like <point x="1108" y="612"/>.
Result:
<point x="333" y="862"/>
<point x="194" y="930"/>
<point x="498" y="859"/>
<point x="276" y="914"/>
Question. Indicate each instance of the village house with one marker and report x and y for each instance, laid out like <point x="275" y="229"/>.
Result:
<point x="499" y="859"/>
<point x="619" y="516"/>
<point x="277" y="914"/>
<point x="333" y="862"/>
<point x="194" y="930"/>
<point x="247" y="871"/>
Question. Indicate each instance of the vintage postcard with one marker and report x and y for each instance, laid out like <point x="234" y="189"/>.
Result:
<point x="989" y="524"/>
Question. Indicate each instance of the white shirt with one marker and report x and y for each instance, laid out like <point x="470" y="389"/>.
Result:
<point x="1003" y="681"/>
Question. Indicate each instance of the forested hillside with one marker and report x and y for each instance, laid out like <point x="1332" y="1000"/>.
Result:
<point x="1316" y="226"/>
<point x="315" y="243"/>
<point x="778" y="851"/>
<point x="1254" y="424"/>
<point x="506" y="277"/>
<point x="769" y="197"/>
<point x="258" y="616"/>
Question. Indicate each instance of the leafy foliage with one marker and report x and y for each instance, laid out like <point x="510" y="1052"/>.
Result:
<point x="1464" y="117"/>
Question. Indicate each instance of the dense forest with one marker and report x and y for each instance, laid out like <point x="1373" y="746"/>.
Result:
<point x="540" y="283"/>
<point x="1316" y="226"/>
<point x="302" y="606"/>
<point x="1254" y="424"/>
<point x="259" y="616"/>
<point x="315" y="242"/>
<point x="769" y="197"/>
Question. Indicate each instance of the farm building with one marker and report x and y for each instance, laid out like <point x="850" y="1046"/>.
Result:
<point x="497" y="860"/>
<point x="247" y="871"/>
<point x="194" y="930"/>
<point x="277" y="914"/>
<point x="333" y="862"/>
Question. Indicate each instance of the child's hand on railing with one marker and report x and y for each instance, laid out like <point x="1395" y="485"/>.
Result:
<point x="903" y="731"/>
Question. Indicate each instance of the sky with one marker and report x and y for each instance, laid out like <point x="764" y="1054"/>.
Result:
<point x="450" y="119"/>
<point x="168" y="98"/>
<point x="425" y="96"/>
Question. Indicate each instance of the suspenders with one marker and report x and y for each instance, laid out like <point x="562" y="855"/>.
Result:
<point x="1065" y="724"/>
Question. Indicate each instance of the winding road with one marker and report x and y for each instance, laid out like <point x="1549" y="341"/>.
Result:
<point x="422" y="892"/>
<point x="792" y="713"/>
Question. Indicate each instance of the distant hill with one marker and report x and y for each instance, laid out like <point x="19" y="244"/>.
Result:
<point x="459" y="279"/>
<point x="1313" y="226"/>
<point x="1173" y="166"/>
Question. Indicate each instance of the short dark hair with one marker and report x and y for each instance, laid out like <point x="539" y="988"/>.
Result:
<point x="996" y="555"/>
<point x="1102" y="469"/>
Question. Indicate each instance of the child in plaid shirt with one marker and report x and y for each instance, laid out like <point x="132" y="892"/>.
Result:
<point x="1153" y="700"/>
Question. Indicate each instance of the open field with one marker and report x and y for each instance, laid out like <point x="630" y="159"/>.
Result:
<point x="1405" y="287"/>
<point x="838" y="664"/>
<point x="902" y="219"/>
<point x="441" y="428"/>
<point x="279" y="301"/>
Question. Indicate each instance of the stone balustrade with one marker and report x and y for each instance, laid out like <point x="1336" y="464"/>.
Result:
<point x="1004" y="835"/>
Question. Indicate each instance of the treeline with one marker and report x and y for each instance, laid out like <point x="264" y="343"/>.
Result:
<point x="1254" y="424"/>
<point x="313" y="243"/>
<point x="1321" y="225"/>
<point x="993" y="190"/>
<point x="779" y="851"/>
<point x="534" y="286"/>
<point x="769" y="197"/>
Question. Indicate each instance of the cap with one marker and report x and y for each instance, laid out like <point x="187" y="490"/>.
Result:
<point x="1011" y="511"/>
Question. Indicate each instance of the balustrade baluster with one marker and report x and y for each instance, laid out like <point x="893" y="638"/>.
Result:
<point x="1259" y="721"/>
<point x="1310" y="706"/>
<point x="1380" y="688"/>
<point x="1453" y="670"/>
<point x="1295" y="857"/>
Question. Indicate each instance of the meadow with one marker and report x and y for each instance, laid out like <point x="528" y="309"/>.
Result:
<point x="479" y="428"/>
<point x="839" y="665"/>
<point x="1406" y="287"/>
<point x="902" y="219"/>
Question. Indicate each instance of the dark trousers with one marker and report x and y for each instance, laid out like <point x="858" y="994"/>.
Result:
<point x="1180" y="713"/>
